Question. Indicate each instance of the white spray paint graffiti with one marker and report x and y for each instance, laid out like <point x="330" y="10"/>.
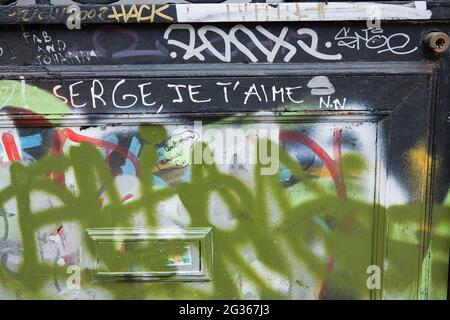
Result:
<point x="198" y="44"/>
<point x="373" y="39"/>
<point x="229" y="38"/>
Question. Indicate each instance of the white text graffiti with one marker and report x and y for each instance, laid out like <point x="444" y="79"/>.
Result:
<point x="278" y="43"/>
<point x="374" y="39"/>
<point x="261" y="45"/>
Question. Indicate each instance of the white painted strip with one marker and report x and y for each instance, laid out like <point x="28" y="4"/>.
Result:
<point x="304" y="11"/>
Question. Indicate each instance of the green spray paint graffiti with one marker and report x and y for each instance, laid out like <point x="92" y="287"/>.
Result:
<point x="256" y="258"/>
<point x="307" y="232"/>
<point x="28" y="98"/>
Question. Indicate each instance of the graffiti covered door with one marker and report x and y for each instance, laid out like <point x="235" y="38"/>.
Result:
<point x="263" y="160"/>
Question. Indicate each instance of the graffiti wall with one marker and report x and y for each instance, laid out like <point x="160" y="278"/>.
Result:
<point x="193" y="161"/>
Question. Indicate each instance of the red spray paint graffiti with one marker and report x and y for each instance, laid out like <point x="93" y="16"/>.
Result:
<point x="10" y="146"/>
<point x="335" y="170"/>
<point x="60" y="137"/>
<point x="333" y="166"/>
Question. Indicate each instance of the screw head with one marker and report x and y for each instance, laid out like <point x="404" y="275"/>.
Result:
<point x="438" y="42"/>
